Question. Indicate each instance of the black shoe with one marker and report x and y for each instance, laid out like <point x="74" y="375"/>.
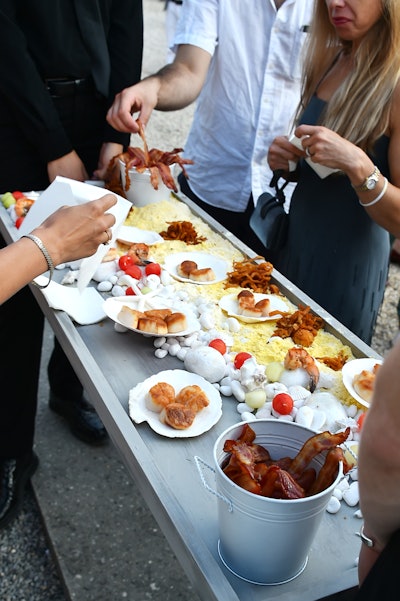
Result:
<point x="14" y="476"/>
<point x="83" y="420"/>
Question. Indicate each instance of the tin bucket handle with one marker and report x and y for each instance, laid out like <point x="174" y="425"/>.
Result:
<point x="200" y="463"/>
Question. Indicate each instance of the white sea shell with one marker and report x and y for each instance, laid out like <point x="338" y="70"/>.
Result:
<point x="330" y="405"/>
<point x="273" y="388"/>
<point x="298" y="393"/>
<point x="326" y="380"/>
<point x="207" y="362"/>
<point x="305" y="416"/>
<point x="319" y="420"/>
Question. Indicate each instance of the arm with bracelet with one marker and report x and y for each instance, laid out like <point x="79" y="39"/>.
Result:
<point x="68" y="234"/>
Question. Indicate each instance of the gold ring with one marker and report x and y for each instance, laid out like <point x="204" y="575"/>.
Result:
<point x="109" y="236"/>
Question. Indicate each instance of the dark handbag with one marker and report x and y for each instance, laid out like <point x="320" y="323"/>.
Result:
<point x="269" y="220"/>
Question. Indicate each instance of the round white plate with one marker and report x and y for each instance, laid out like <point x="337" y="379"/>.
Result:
<point x="351" y="369"/>
<point x="112" y="307"/>
<point x="131" y="235"/>
<point x="229" y="303"/>
<point x="178" y="378"/>
<point x="203" y="260"/>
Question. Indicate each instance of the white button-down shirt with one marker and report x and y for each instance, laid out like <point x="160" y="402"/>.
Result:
<point x="250" y="94"/>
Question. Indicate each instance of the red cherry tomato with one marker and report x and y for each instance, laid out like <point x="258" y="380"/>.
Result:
<point x="17" y="194"/>
<point x="240" y="359"/>
<point x="219" y="345"/>
<point x="134" y="271"/>
<point x="282" y="403"/>
<point x="124" y="262"/>
<point x="130" y="291"/>
<point x="152" y="268"/>
<point x="19" y="222"/>
<point x="360" y="421"/>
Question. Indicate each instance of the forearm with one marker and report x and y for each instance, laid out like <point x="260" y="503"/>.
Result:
<point x="19" y="264"/>
<point x="177" y="87"/>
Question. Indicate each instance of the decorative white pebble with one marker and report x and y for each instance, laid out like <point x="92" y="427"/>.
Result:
<point x="351" y="496"/>
<point x="351" y="410"/>
<point x="233" y="324"/>
<point x="226" y="381"/>
<point x="286" y="418"/>
<point x="118" y="291"/>
<point x="353" y="473"/>
<point x="158" y="342"/>
<point x="104" y="286"/>
<point x="60" y="266"/>
<point x="120" y="328"/>
<point x="174" y="349"/>
<point x="319" y="419"/>
<point x="333" y="505"/>
<point x="263" y="413"/>
<point x="343" y="484"/>
<point x="206" y="321"/>
<point x="181" y="354"/>
<point x="358" y="514"/>
<point x="226" y="390"/>
<point x="338" y="493"/>
<point x="247" y="416"/>
<point x="241" y="407"/>
<point x="238" y="391"/>
<point x="161" y="353"/>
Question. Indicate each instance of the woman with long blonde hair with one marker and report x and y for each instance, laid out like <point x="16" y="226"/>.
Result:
<point x="348" y="123"/>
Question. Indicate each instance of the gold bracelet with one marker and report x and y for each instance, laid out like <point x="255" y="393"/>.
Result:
<point x="46" y="255"/>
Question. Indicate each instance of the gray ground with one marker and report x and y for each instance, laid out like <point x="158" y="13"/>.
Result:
<point x="28" y="570"/>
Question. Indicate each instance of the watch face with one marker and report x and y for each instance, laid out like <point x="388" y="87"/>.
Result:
<point x="371" y="183"/>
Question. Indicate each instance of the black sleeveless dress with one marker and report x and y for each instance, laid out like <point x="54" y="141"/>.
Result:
<point x="335" y="252"/>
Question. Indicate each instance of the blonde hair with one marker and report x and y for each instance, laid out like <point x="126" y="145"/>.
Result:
<point x="359" y="110"/>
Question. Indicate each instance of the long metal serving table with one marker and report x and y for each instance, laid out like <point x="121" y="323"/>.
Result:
<point x="109" y="364"/>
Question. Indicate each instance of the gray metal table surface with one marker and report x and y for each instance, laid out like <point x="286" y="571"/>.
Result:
<point x="109" y="364"/>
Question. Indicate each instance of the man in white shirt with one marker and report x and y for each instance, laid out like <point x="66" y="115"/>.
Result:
<point x="242" y="62"/>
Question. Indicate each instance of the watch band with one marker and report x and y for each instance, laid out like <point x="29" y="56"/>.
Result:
<point x="373" y="176"/>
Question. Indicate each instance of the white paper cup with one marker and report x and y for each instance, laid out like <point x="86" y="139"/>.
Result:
<point x="264" y="540"/>
<point x="141" y="192"/>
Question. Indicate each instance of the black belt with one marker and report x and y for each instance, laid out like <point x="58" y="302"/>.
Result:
<point x="62" y="87"/>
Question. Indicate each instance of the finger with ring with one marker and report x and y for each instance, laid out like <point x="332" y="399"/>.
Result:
<point x="308" y="153"/>
<point x="109" y="236"/>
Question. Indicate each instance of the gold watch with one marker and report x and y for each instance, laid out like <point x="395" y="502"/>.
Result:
<point x="370" y="182"/>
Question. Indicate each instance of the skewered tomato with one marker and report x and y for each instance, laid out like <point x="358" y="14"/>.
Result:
<point x="125" y="261"/>
<point x="240" y="359"/>
<point x="152" y="268"/>
<point x="219" y="345"/>
<point x="282" y="403"/>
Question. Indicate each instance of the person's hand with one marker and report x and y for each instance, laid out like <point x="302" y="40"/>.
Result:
<point x="141" y="98"/>
<point x="75" y="232"/>
<point x="69" y="165"/>
<point x="326" y="147"/>
<point x="281" y="152"/>
<point x="107" y="152"/>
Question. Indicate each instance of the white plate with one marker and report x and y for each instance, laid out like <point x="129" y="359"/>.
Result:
<point x="113" y="305"/>
<point x="351" y="369"/>
<point x="178" y="378"/>
<point x="131" y="235"/>
<point x="203" y="260"/>
<point x="229" y="303"/>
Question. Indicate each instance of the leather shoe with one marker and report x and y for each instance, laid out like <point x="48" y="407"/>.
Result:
<point x="83" y="420"/>
<point x="14" y="476"/>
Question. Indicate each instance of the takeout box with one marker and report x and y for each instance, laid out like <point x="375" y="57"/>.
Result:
<point x="63" y="191"/>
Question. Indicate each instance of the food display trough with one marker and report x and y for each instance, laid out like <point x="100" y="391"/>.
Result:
<point x="165" y="470"/>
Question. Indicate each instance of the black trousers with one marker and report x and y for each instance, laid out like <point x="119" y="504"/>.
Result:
<point x="21" y="320"/>
<point x="236" y="223"/>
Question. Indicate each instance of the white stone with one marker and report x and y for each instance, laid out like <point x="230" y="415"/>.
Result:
<point x="351" y="496"/>
<point x="161" y="353"/>
<point x="333" y="505"/>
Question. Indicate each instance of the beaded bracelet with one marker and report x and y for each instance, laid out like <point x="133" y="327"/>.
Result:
<point x="378" y="198"/>
<point x="46" y="255"/>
